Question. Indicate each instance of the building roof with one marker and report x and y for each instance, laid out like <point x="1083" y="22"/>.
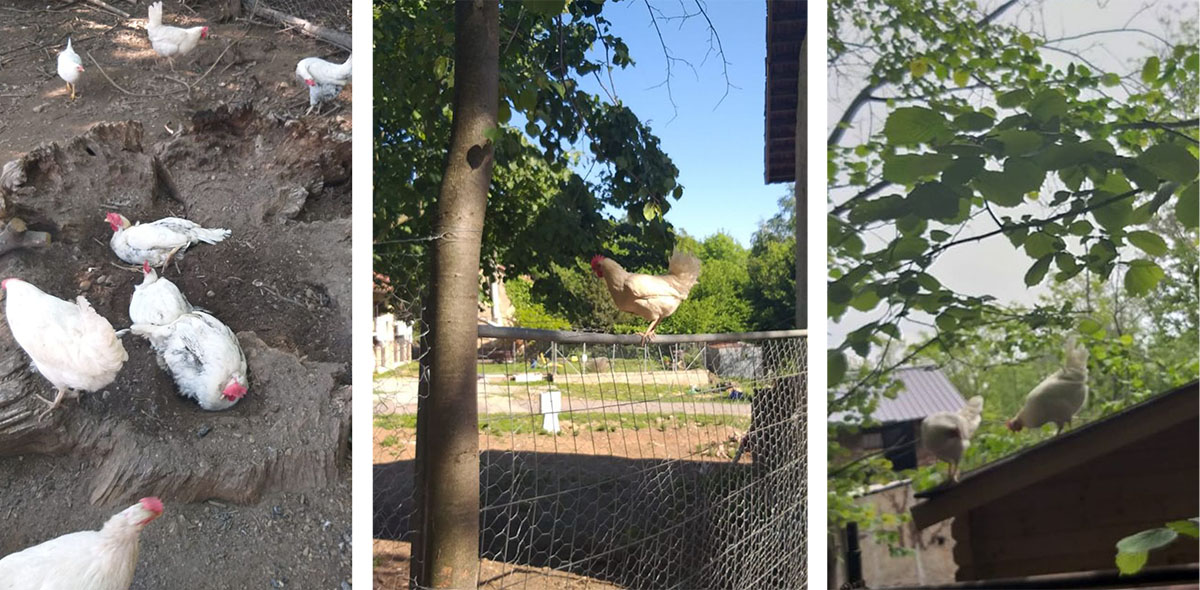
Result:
<point x="925" y="390"/>
<point x="786" y="24"/>
<point x="1052" y="456"/>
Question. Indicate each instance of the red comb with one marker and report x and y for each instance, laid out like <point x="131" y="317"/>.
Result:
<point x="152" y="504"/>
<point x="146" y="266"/>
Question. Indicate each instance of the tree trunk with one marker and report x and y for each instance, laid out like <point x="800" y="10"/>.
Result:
<point x="801" y="215"/>
<point x="451" y="489"/>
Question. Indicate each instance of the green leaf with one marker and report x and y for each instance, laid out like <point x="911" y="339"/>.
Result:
<point x="962" y="170"/>
<point x="1089" y="327"/>
<point x="1187" y="208"/>
<point x="1188" y="527"/>
<point x="1131" y="563"/>
<point x="938" y="235"/>
<point x="837" y="367"/>
<point x="1148" y="242"/>
<point x="1048" y="104"/>
<point x="973" y="121"/>
<point x="1018" y="143"/>
<point x="1013" y="98"/>
<point x="918" y="67"/>
<point x="651" y="211"/>
<point x="1037" y="272"/>
<point x="1008" y="188"/>
<point x="1170" y="161"/>
<point x="1041" y="244"/>
<point x="1080" y="227"/>
<point x="1150" y="70"/>
<point x="546" y="7"/>
<point x="1142" y="276"/>
<point x="908" y="168"/>
<point x="1146" y="540"/>
<point x="934" y="200"/>
<point x="1113" y="216"/>
<point x="866" y="300"/>
<point x="961" y="77"/>
<point x="1110" y="79"/>
<point x="909" y="248"/>
<point x="913" y="125"/>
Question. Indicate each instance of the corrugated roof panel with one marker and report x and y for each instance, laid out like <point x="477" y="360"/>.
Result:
<point x="926" y="390"/>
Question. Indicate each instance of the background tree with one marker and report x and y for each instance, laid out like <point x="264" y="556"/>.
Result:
<point x="1081" y="170"/>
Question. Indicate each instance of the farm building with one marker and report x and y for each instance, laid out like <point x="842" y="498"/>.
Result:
<point x="925" y="390"/>
<point x="737" y="360"/>
<point x="1051" y="515"/>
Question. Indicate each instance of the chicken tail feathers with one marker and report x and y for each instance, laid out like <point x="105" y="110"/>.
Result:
<point x="210" y="236"/>
<point x="686" y="270"/>
<point x="155" y="15"/>
<point x="1075" y="356"/>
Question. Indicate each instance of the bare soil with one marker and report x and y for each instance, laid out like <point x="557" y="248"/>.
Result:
<point x="257" y="496"/>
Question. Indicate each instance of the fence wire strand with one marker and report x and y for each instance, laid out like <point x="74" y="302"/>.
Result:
<point x="639" y="487"/>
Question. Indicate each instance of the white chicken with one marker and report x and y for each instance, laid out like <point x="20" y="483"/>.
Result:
<point x="156" y="300"/>
<point x="948" y="434"/>
<point x="169" y="41"/>
<point x="324" y="79"/>
<point x="203" y="356"/>
<point x="71" y="345"/>
<point x="86" y="560"/>
<point x="1058" y="397"/>
<point x="70" y="66"/>
<point x="652" y="297"/>
<point x="158" y="241"/>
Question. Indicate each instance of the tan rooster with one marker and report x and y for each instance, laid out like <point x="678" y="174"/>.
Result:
<point x="653" y="298"/>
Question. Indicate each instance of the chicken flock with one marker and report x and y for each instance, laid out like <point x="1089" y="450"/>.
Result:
<point x="324" y="80"/>
<point x="1056" y="400"/>
<point x="77" y="350"/>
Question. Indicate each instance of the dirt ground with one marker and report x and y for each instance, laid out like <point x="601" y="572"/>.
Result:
<point x="257" y="496"/>
<point x="392" y="560"/>
<point x="398" y="447"/>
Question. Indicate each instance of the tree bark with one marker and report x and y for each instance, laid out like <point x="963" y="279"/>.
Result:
<point x="451" y="490"/>
<point x="801" y="214"/>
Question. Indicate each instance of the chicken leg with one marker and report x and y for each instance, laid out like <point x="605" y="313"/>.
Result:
<point x="649" y="335"/>
<point x="58" y="397"/>
<point x="71" y="90"/>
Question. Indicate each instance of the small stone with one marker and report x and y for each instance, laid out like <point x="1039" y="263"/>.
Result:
<point x="203" y="431"/>
<point x="210" y="294"/>
<point x="84" y="285"/>
<point x="41" y="107"/>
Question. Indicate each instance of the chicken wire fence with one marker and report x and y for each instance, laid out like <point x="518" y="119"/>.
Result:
<point x="606" y="464"/>
<point x="325" y="19"/>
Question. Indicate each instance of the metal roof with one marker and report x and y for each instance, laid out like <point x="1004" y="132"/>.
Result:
<point x="925" y="390"/>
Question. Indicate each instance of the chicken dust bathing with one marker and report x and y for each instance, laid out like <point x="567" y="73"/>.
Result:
<point x="261" y="488"/>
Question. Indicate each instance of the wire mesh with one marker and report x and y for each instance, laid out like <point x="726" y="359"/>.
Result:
<point x="618" y="466"/>
<point x="332" y="14"/>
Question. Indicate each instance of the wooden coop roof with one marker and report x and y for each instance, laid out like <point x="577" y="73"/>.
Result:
<point x="786" y="24"/>
<point x="1050" y="457"/>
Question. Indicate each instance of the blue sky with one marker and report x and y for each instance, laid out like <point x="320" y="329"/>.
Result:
<point x="719" y="152"/>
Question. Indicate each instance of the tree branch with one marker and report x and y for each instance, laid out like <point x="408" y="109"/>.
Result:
<point x="865" y="94"/>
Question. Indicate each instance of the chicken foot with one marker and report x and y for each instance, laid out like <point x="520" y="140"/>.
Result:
<point x="58" y="397"/>
<point x="649" y="335"/>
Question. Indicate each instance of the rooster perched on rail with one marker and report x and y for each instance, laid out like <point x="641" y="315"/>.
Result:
<point x="653" y="298"/>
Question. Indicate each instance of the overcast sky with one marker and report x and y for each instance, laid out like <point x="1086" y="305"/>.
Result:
<point x="993" y="266"/>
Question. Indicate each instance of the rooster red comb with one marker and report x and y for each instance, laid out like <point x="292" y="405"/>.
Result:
<point x="152" y="504"/>
<point x="146" y="267"/>
<point x="597" y="259"/>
